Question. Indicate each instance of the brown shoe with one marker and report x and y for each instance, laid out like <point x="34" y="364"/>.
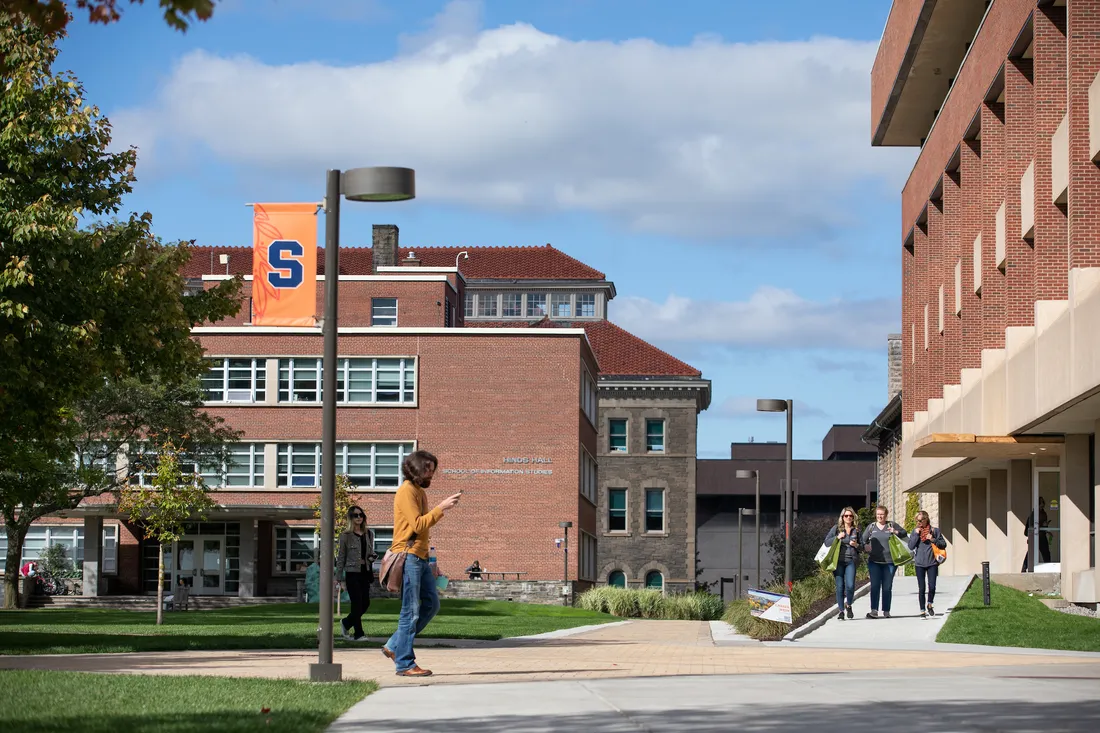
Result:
<point x="389" y="655"/>
<point x="415" y="671"/>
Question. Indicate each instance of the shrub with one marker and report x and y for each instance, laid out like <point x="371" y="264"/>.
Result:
<point x="651" y="604"/>
<point x="807" y="534"/>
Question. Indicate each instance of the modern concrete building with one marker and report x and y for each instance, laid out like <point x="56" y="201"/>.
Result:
<point x="1000" y="243"/>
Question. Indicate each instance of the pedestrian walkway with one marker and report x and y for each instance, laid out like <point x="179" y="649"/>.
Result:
<point x="904" y="629"/>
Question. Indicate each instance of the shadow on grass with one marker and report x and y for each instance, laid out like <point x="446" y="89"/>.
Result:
<point x="228" y="722"/>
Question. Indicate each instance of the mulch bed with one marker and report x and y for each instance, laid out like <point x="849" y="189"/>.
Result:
<point x="815" y="610"/>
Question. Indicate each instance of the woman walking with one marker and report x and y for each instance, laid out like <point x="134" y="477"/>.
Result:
<point x="355" y="561"/>
<point x="921" y="542"/>
<point x="880" y="563"/>
<point x="847" y="531"/>
<point x="412" y="521"/>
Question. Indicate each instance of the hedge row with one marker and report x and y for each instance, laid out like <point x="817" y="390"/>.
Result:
<point x="652" y="604"/>
<point x="804" y="593"/>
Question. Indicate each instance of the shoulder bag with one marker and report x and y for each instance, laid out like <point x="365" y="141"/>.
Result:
<point x="392" y="572"/>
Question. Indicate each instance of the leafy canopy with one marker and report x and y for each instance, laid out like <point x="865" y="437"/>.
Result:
<point x="53" y="16"/>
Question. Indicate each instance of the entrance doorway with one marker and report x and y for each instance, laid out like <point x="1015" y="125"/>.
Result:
<point x="201" y="564"/>
<point x="207" y="559"/>
<point x="1044" y="522"/>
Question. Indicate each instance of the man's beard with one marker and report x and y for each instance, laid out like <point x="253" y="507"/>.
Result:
<point x="425" y="482"/>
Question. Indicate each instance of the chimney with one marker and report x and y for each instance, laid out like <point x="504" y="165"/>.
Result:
<point x="893" y="377"/>
<point x="411" y="261"/>
<point x="384" y="246"/>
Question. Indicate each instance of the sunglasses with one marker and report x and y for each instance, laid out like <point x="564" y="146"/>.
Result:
<point x="849" y="516"/>
<point x="358" y="516"/>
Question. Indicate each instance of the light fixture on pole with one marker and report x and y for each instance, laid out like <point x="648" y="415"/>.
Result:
<point x="788" y="407"/>
<point x="358" y="184"/>
<point x="565" y="545"/>
<point x="753" y="473"/>
<point x="463" y="255"/>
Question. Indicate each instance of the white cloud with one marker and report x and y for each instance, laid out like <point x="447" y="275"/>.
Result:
<point x="745" y="407"/>
<point x="771" y="317"/>
<point x="710" y="139"/>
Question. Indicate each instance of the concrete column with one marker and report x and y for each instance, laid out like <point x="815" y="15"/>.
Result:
<point x="93" y="554"/>
<point x="961" y="530"/>
<point x="271" y="373"/>
<point x="947" y="521"/>
<point x="996" y="532"/>
<point x="247" y="587"/>
<point x="1073" y="510"/>
<point x="271" y="466"/>
<point x="1019" y="506"/>
<point x="979" y="511"/>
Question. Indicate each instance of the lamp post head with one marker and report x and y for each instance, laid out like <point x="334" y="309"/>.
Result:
<point x="378" y="184"/>
<point x="747" y="473"/>
<point x="771" y="405"/>
<point x="565" y="525"/>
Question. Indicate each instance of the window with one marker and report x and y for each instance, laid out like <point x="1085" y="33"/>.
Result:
<point x="616" y="510"/>
<point x="654" y="580"/>
<point x="560" y="307"/>
<point x="244" y="467"/>
<point x="295" y="549"/>
<point x="536" y="305"/>
<point x="368" y="465"/>
<point x="358" y="380"/>
<point x="143" y="461"/>
<point x="470" y="305"/>
<point x="487" y="305"/>
<point x="235" y="380"/>
<point x="587" y="569"/>
<point x="655" y="436"/>
<point x="39" y="537"/>
<point x="589" y="396"/>
<point x="383" y="311"/>
<point x="513" y="305"/>
<point x="617" y="435"/>
<point x="654" y="510"/>
<point x="616" y="579"/>
<point x="383" y="538"/>
<point x="586" y="305"/>
<point x="588" y="476"/>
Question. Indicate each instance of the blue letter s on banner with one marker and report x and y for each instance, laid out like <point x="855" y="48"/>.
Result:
<point x="285" y="256"/>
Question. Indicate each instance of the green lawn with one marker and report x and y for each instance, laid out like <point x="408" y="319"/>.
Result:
<point x="1016" y="619"/>
<point x="282" y="626"/>
<point x="107" y="703"/>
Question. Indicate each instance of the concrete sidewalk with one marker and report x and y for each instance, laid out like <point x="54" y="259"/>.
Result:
<point x="904" y="628"/>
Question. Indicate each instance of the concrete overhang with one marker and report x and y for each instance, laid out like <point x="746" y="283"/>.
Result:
<point x="922" y="49"/>
<point x="1003" y="447"/>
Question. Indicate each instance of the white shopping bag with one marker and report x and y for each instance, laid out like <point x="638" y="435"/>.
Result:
<point x="825" y="547"/>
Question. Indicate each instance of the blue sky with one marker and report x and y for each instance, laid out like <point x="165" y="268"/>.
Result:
<point x="711" y="157"/>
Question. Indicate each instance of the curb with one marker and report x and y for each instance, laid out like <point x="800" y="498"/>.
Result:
<point x="823" y="617"/>
<point x="572" y="631"/>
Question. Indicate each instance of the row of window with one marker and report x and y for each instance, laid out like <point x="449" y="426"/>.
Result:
<point x="654" y="520"/>
<point x="69" y="536"/>
<point x="530" y="305"/>
<point x="654" y="580"/>
<point x="359" y="380"/>
<point x="297" y="547"/>
<point x="619" y="438"/>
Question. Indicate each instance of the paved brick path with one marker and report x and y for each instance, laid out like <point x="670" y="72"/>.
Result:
<point x="638" y="649"/>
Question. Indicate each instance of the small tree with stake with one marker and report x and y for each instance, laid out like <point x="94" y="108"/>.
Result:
<point x="162" y="509"/>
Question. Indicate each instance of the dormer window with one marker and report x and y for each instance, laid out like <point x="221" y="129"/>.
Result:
<point x="586" y="305"/>
<point x="560" y="305"/>
<point x="536" y="305"/>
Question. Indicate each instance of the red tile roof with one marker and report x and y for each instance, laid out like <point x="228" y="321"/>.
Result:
<point x="503" y="263"/>
<point x="619" y="352"/>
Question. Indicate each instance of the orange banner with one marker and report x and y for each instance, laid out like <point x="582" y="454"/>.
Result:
<point x="284" y="264"/>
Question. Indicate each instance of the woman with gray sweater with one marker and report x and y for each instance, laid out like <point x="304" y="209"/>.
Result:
<point x="921" y="543"/>
<point x="880" y="563"/>
<point x="847" y="531"/>
<point x="355" y="560"/>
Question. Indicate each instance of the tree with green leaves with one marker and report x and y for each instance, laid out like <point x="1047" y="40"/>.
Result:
<point x="54" y="15"/>
<point x="345" y="500"/>
<point x="161" y="509"/>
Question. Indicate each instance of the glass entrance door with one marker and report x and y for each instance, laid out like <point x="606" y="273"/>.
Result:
<point x="211" y="566"/>
<point x="1044" y="524"/>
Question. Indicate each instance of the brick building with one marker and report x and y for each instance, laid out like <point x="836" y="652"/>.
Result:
<point x="500" y="360"/>
<point x="1000" y="254"/>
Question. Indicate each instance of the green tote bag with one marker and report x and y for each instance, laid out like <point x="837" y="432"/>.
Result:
<point x="829" y="562"/>
<point x="899" y="553"/>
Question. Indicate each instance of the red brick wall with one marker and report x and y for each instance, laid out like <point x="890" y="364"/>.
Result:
<point x="1019" y="154"/>
<point x="895" y="40"/>
<point x="933" y="279"/>
<point x="1083" y="27"/>
<point x="908" y="319"/>
<point x="993" y="280"/>
<point x="481" y="399"/>
<point x="952" y="238"/>
<point x="970" y="175"/>
<point x="1051" y="253"/>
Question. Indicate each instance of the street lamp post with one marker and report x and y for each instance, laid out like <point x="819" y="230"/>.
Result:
<point x="358" y="184"/>
<point x="565" y="572"/>
<point x="741" y="512"/>
<point x="754" y="474"/>
<point x="788" y="407"/>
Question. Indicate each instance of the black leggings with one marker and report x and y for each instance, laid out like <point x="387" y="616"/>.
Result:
<point x="929" y="573"/>
<point x="358" y="585"/>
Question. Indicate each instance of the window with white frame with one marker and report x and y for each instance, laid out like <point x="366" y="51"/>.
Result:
<point x="295" y="549"/>
<point x="383" y="311"/>
<point x="513" y="305"/>
<point x="561" y="305"/>
<point x="470" y="305"/>
<point x="383" y="538"/>
<point x="39" y="537"/>
<point x="655" y="435"/>
<point x="588" y="554"/>
<point x="244" y="466"/>
<point x="488" y="305"/>
<point x="589" y="396"/>
<point x="235" y="380"/>
<point x="655" y="510"/>
<point x="536" y="305"/>
<point x="589" y="475"/>
<point x="359" y="380"/>
<point x="144" y="460"/>
<point x="368" y="465"/>
<point x="616" y="435"/>
<point x="586" y="305"/>
<point x="616" y="510"/>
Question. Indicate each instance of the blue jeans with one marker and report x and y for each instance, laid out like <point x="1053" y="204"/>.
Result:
<point x="419" y="605"/>
<point x="882" y="580"/>
<point x="845" y="576"/>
